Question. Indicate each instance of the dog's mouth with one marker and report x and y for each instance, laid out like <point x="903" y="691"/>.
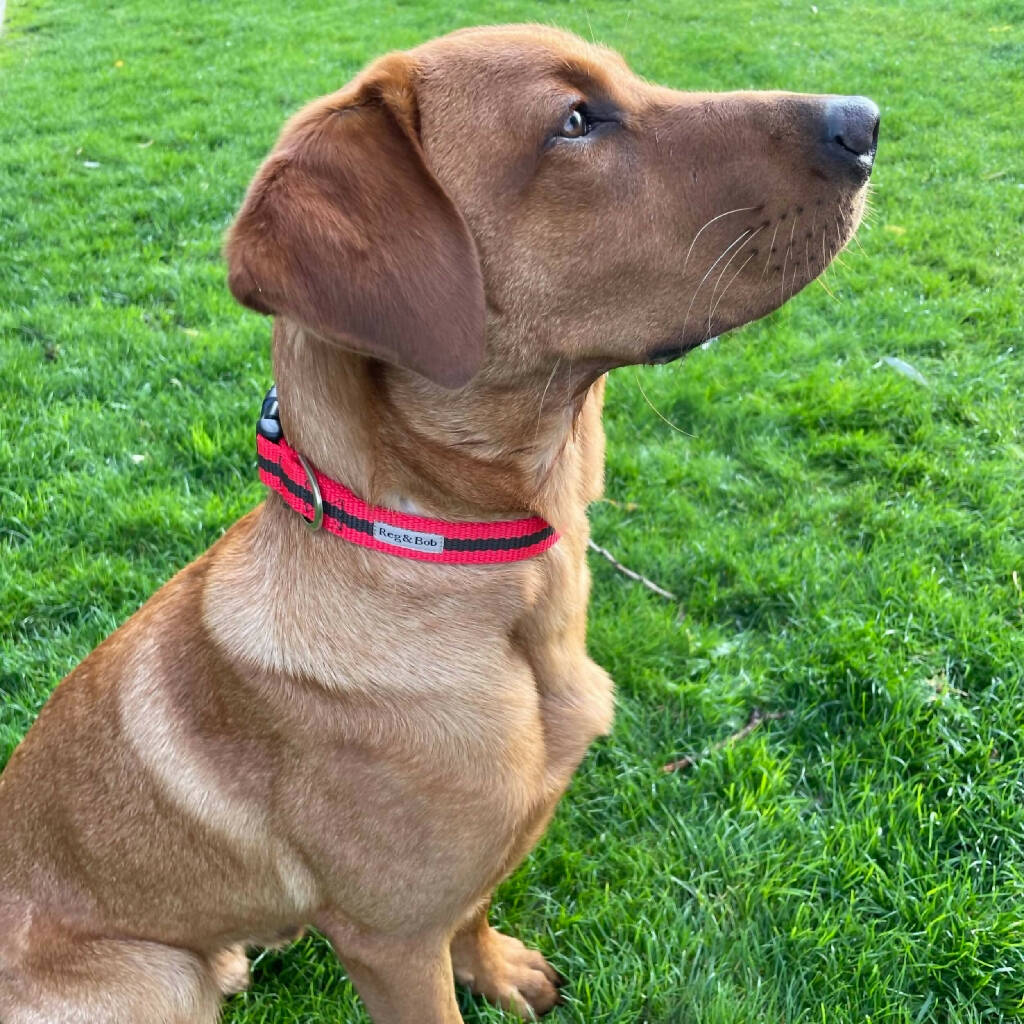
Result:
<point x="667" y="354"/>
<point x="670" y="353"/>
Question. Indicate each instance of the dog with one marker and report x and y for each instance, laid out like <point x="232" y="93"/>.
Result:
<point x="359" y="708"/>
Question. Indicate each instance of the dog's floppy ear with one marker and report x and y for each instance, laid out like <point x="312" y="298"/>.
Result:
<point x="346" y="230"/>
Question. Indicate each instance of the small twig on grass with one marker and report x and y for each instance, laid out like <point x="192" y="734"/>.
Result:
<point x="649" y="584"/>
<point x="757" y="716"/>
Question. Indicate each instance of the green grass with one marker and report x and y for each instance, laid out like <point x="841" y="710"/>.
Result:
<point x="847" y="543"/>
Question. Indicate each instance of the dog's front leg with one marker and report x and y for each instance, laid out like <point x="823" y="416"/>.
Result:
<point x="401" y="979"/>
<point x="502" y="969"/>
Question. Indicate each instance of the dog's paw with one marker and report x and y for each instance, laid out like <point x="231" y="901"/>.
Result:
<point x="231" y="970"/>
<point x="508" y="974"/>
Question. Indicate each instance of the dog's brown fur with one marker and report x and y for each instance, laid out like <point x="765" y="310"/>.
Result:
<point x="295" y="730"/>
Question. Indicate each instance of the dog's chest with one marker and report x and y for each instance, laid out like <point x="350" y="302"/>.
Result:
<point x="575" y="695"/>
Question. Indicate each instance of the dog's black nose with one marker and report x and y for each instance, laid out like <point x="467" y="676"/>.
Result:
<point x="851" y="131"/>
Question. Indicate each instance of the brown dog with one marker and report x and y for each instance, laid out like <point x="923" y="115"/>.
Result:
<point x="301" y="730"/>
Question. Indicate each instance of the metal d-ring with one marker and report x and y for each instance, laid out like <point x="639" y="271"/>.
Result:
<point x="317" y="521"/>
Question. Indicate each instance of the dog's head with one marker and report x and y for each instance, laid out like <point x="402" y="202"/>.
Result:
<point x="504" y="199"/>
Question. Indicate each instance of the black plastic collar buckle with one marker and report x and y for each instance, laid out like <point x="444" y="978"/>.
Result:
<point x="269" y="424"/>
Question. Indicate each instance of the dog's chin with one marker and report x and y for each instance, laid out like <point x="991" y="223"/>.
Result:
<point x="771" y="282"/>
<point x="758" y="293"/>
<point x="668" y="353"/>
<point x="672" y="350"/>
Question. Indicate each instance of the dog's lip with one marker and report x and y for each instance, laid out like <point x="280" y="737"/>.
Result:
<point x="670" y="353"/>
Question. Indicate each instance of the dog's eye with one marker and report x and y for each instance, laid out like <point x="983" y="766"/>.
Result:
<point x="576" y="125"/>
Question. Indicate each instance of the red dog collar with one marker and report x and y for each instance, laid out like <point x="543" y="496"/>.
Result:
<point x="326" y="504"/>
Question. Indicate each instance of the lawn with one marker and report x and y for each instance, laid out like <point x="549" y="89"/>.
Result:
<point x="839" y="512"/>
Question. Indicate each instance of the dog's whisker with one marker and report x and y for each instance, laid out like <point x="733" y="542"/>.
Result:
<point x="719" y="281"/>
<point x="739" y="209"/>
<point x="700" y="283"/>
<point x="727" y="287"/>
<point x="771" y="249"/>
<point x="785" y="265"/>
<point x="664" y="419"/>
<point x="831" y="293"/>
<point x="543" y="395"/>
<point x="789" y="249"/>
<point x="712" y="311"/>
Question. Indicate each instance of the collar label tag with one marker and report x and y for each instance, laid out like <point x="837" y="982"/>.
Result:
<point x="412" y="540"/>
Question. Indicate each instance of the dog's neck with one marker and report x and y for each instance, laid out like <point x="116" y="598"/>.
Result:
<point x="485" y="452"/>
